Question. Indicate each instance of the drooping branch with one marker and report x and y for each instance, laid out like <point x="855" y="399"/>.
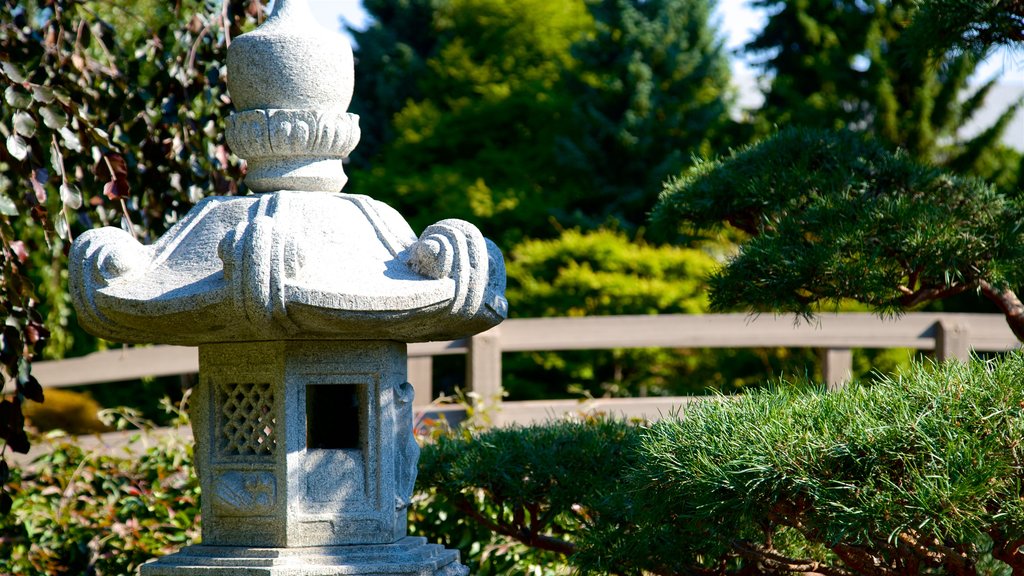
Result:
<point x="523" y="535"/>
<point x="774" y="562"/>
<point x="912" y="298"/>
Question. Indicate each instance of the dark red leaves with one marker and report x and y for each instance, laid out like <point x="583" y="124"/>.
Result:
<point x="38" y="179"/>
<point x="19" y="442"/>
<point x="10" y="348"/>
<point x="19" y="250"/>
<point x="31" y="389"/>
<point x="112" y="169"/>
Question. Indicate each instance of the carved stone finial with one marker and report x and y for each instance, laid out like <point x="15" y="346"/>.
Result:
<point x="291" y="81"/>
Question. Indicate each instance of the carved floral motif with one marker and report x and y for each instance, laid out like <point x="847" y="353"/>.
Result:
<point x="245" y="493"/>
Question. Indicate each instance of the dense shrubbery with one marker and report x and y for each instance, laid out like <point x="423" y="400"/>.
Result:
<point x="912" y="475"/>
<point x="78" y="512"/>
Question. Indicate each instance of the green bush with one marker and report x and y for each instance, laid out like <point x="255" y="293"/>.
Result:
<point x="538" y="486"/>
<point x="606" y="272"/>
<point x="915" y="474"/>
<point x="78" y="512"/>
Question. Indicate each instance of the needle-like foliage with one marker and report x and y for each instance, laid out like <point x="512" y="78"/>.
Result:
<point x="917" y="474"/>
<point x="833" y="216"/>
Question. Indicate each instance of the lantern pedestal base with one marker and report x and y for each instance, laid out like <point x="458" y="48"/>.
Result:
<point x="409" y="556"/>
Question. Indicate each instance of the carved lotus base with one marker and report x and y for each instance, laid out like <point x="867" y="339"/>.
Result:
<point x="409" y="556"/>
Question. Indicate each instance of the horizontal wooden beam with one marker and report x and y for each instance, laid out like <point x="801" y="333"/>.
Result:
<point x="119" y="364"/>
<point x="982" y="332"/>
<point x="988" y="332"/>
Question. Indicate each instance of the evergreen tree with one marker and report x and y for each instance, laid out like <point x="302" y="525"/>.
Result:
<point x="852" y="64"/>
<point x="652" y="91"/>
<point x="808" y="51"/>
<point x="528" y="116"/>
<point x="832" y="216"/>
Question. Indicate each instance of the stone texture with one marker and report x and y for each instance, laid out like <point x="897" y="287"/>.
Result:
<point x="407" y="557"/>
<point x="288" y="265"/>
<point x="301" y="299"/>
<point x="291" y="81"/>
<point x="266" y="479"/>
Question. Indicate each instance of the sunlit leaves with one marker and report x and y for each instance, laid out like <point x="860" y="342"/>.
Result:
<point x="71" y="196"/>
<point x="43" y="94"/>
<point x="17" y="146"/>
<point x="111" y="168"/>
<point x="17" y="97"/>
<point x="53" y="117"/>
<point x="85" y="82"/>
<point x="12" y="72"/>
<point x="24" y="124"/>
<point x="7" y="206"/>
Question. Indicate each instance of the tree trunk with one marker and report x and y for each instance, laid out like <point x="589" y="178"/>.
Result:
<point x="1009" y="304"/>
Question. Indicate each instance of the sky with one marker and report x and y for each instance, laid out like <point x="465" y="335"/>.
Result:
<point x="739" y="23"/>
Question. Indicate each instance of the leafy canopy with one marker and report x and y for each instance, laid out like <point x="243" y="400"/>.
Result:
<point x="513" y="115"/>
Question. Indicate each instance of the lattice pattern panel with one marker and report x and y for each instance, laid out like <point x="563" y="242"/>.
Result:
<point x="247" y="423"/>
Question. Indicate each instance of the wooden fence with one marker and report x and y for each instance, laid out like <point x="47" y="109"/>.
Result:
<point x="944" y="335"/>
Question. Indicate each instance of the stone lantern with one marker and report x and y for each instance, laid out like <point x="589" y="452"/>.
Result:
<point x="301" y="300"/>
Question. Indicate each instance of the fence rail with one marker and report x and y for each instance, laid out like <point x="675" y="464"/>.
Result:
<point x="944" y="335"/>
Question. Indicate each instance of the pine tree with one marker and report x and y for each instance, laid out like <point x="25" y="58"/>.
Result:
<point x="809" y="52"/>
<point x="652" y="91"/>
<point x="833" y="216"/>
<point x="851" y="64"/>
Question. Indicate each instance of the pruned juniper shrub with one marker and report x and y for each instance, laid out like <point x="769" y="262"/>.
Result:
<point x="916" y="474"/>
<point x="540" y="486"/>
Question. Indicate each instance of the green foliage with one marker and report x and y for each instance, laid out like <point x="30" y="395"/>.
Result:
<point x="539" y="485"/>
<point x="908" y="475"/>
<point x="483" y="109"/>
<point x="916" y="474"/>
<point x="869" y="67"/>
<point x="513" y="114"/>
<point x="651" y="90"/>
<point x="809" y="46"/>
<point x="127" y="100"/>
<point x="78" y="512"/>
<point x="967" y="25"/>
<point x="834" y="216"/>
<point x="605" y="272"/>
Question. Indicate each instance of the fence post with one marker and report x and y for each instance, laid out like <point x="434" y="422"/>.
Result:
<point x="952" y="340"/>
<point x="421" y="375"/>
<point x="483" y="366"/>
<point x="836" y="366"/>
